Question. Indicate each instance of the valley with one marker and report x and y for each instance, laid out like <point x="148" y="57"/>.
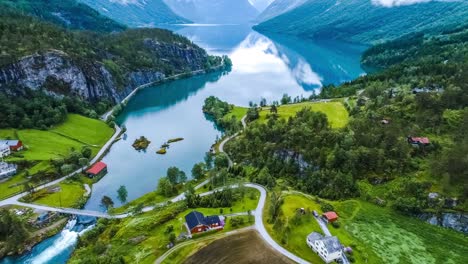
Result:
<point x="195" y="131"/>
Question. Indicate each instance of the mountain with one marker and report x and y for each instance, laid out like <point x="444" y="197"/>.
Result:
<point x="219" y="11"/>
<point x="137" y="13"/>
<point x="365" y="21"/>
<point x="66" y="13"/>
<point x="92" y="66"/>
<point x="261" y="5"/>
<point x="279" y="7"/>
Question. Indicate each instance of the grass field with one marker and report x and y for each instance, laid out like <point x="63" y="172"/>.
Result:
<point x="377" y="235"/>
<point x="68" y="196"/>
<point x="42" y="146"/>
<point x="238" y="112"/>
<point x="335" y="111"/>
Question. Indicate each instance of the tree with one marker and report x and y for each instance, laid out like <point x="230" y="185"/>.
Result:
<point x="209" y="160"/>
<point x="86" y="152"/>
<point x="198" y="170"/>
<point x="286" y="99"/>
<point x="122" y="194"/>
<point x="83" y="162"/>
<point x="107" y="202"/>
<point x="221" y="161"/>
<point x="274" y="109"/>
<point x="175" y="176"/>
<point x="165" y="187"/>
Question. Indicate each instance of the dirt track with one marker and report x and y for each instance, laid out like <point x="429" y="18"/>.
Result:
<point x="246" y="247"/>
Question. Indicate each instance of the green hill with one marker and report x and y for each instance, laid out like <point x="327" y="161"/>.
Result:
<point x="137" y="13"/>
<point x="365" y="22"/>
<point x="66" y="13"/>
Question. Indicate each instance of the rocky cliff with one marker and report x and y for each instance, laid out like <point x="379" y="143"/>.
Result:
<point x="57" y="73"/>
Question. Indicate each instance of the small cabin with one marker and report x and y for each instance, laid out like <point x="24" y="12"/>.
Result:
<point x="419" y="141"/>
<point x="97" y="170"/>
<point x="330" y="216"/>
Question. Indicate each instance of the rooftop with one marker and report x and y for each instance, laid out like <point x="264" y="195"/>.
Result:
<point x="9" y="142"/>
<point x="97" y="168"/>
<point x="332" y="244"/>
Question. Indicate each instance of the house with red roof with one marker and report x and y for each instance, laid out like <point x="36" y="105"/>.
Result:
<point x="97" y="170"/>
<point x="419" y="141"/>
<point x="14" y="145"/>
<point x="330" y="216"/>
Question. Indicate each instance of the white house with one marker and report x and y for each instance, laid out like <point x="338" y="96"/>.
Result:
<point x="4" y="150"/>
<point x="7" y="170"/>
<point x="328" y="248"/>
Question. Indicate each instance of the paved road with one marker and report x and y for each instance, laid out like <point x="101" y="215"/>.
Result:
<point x="14" y="199"/>
<point x="221" y="145"/>
<point x="323" y="226"/>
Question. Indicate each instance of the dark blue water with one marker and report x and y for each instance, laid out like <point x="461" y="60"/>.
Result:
<point x="264" y="67"/>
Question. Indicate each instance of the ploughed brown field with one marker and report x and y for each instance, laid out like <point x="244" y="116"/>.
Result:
<point x="245" y="247"/>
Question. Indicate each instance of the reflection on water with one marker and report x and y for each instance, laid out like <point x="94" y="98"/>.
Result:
<point x="263" y="67"/>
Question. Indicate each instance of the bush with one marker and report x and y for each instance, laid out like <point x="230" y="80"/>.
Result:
<point x="336" y="224"/>
<point x="326" y="207"/>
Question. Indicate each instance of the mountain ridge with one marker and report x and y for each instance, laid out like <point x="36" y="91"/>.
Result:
<point x="345" y="20"/>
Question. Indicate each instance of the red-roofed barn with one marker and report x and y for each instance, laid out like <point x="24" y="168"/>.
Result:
<point x="419" y="140"/>
<point x="98" y="169"/>
<point x="330" y="216"/>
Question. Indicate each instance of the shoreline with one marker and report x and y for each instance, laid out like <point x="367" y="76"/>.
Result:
<point x="175" y="77"/>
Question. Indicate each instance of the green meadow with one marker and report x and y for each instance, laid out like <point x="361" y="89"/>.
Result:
<point x="376" y="234"/>
<point x="336" y="112"/>
<point x="43" y="145"/>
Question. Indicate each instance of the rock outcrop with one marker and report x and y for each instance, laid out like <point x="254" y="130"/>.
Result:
<point x="59" y="74"/>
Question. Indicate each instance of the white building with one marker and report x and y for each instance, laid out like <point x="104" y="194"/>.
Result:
<point x="4" y="150"/>
<point x="7" y="170"/>
<point x="328" y="248"/>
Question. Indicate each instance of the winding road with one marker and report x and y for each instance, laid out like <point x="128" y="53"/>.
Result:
<point x="259" y="224"/>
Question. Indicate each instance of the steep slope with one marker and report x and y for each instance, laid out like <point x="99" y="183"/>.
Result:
<point x="94" y="67"/>
<point x="261" y="5"/>
<point x="66" y="13"/>
<point x="364" y="21"/>
<point x="279" y="7"/>
<point x="219" y="11"/>
<point x="137" y="13"/>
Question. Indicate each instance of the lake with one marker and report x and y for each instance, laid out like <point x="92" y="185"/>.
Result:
<point x="263" y="67"/>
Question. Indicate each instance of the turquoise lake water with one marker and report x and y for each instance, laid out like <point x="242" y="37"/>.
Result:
<point x="263" y="67"/>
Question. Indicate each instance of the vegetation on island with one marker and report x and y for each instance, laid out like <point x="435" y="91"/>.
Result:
<point x="173" y="140"/>
<point x="162" y="151"/>
<point x="141" y="143"/>
<point x="219" y="111"/>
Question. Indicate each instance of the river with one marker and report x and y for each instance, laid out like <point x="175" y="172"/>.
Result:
<point x="263" y="67"/>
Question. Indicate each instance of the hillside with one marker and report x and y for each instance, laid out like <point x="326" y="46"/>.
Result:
<point x="365" y="22"/>
<point x="277" y="8"/>
<point x="86" y="65"/>
<point x="65" y="13"/>
<point x="137" y="13"/>
<point x="220" y="11"/>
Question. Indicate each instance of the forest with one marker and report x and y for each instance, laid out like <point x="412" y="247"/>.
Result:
<point x="418" y="94"/>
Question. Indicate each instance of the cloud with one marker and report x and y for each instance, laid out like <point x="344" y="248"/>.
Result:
<point x="391" y="3"/>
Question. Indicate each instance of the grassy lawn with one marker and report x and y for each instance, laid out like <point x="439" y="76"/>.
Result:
<point x="399" y="239"/>
<point x="68" y="196"/>
<point x="238" y="112"/>
<point x="376" y="234"/>
<point x="296" y="240"/>
<point x="335" y="111"/>
<point x="42" y="146"/>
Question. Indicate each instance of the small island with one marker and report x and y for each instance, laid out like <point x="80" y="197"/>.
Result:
<point x="162" y="151"/>
<point x="165" y="145"/>
<point x="174" y="140"/>
<point x="141" y="144"/>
